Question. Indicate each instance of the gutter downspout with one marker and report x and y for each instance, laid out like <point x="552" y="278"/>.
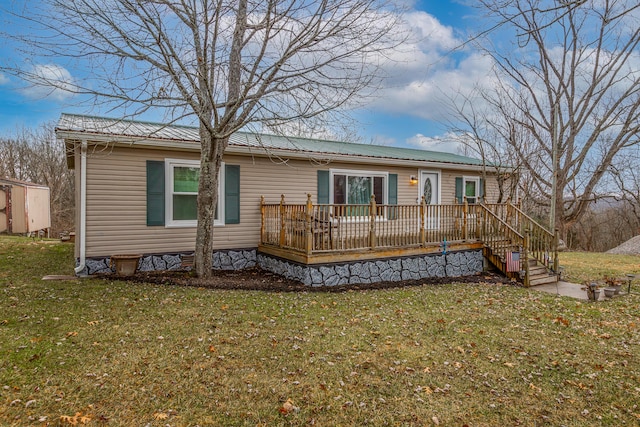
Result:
<point x="83" y="207"/>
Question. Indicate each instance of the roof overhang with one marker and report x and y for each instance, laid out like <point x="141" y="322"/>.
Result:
<point x="193" y="146"/>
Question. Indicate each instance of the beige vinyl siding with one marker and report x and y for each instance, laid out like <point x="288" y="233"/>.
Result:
<point x="116" y="198"/>
<point x="491" y="190"/>
<point x="116" y="206"/>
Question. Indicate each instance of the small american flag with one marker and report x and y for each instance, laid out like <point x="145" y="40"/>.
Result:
<point x="513" y="262"/>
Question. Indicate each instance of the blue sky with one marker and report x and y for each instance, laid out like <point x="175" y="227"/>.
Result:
<point x="407" y="113"/>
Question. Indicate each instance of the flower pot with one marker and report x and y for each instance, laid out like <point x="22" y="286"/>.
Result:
<point x="596" y="295"/>
<point x="617" y="288"/>
<point x="609" y="292"/>
<point x="125" y="265"/>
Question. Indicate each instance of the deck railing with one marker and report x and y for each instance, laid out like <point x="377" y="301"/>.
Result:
<point x="310" y="228"/>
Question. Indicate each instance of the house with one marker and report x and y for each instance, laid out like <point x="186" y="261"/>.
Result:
<point x="318" y="211"/>
<point x="24" y="207"/>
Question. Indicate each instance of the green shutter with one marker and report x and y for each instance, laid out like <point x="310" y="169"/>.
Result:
<point x="481" y="191"/>
<point x="155" y="192"/>
<point x="323" y="186"/>
<point x="232" y="194"/>
<point x="459" y="189"/>
<point x="393" y="195"/>
<point x="393" y="188"/>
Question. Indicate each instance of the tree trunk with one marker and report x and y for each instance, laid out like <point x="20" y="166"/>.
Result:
<point x="210" y="162"/>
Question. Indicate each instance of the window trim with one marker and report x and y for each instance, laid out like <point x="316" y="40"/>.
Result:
<point x="169" y="165"/>
<point x="358" y="172"/>
<point x="476" y="180"/>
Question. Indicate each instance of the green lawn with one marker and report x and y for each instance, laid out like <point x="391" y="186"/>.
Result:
<point x="589" y="266"/>
<point x="121" y="353"/>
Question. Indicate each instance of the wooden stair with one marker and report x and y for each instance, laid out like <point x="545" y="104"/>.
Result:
<point x="536" y="245"/>
<point x="539" y="274"/>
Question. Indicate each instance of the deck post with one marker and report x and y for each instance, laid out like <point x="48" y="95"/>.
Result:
<point x="372" y="222"/>
<point x="262" y="219"/>
<point x="525" y="257"/>
<point x="282" y="222"/>
<point x="465" y="210"/>
<point x="308" y="214"/>
<point x="556" y="261"/>
<point x="423" y="208"/>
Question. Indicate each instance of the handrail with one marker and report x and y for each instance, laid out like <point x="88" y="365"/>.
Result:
<point x="500" y="237"/>
<point x="491" y="213"/>
<point x="543" y="244"/>
<point x="529" y="220"/>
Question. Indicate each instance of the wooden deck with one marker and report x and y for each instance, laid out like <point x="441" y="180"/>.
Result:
<point x="330" y="233"/>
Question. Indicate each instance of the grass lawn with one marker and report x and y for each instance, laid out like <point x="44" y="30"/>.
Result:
<point x="120" y="353"/>
<point x="590" y="266"/>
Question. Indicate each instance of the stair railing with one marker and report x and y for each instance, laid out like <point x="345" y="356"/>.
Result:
<point x="543" y="244"/>
<point x="501" y="237"/>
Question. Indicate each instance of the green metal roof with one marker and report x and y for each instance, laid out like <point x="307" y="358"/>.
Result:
<point x="90" y="125"/>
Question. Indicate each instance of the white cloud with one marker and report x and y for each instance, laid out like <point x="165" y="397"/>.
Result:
<point x="447" y="143"/>
<point x="50" y="81"/>
<point x="427" y="70"/>
<point x="3" y="79"/>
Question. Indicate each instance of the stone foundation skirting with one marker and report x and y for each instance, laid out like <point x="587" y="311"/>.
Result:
<point x="452" y="264"/>
<point x="239" y="259"/>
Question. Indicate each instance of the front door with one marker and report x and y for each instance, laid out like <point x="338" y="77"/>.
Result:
<point x="430" y="190"/>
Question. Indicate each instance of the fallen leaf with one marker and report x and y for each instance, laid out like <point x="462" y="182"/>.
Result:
<point x="562" y="320"/>
<point x="212" y="349"/>
<point x="160" y="416"/>
<point x="288" y="407"/>
<point x="72" y="334"/>
<point x="76" y="419"/>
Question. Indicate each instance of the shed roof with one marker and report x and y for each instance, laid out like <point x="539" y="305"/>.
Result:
<point x="18" y="182"/>
<point x="88" y="126"/>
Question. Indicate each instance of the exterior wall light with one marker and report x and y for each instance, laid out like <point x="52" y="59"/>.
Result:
<point x="413" y="180"/>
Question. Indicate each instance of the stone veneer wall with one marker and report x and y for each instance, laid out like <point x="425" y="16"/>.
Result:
<point x="452" y="264"/>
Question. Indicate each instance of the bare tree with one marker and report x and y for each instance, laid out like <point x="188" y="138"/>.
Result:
<point x="228" y="63"/>
<point x="626" y="177"/>
<point x="571" y="82"/>
<point x="34" y="155"/>
<point x="483" y="132"/>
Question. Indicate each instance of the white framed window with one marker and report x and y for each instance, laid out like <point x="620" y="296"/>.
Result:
<point x="181" y="195"/>
<point x="471" y="188"/>
<point x="355" y="187"/>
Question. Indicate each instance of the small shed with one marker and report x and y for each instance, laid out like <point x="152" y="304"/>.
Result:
<point x="24" y="207"/>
